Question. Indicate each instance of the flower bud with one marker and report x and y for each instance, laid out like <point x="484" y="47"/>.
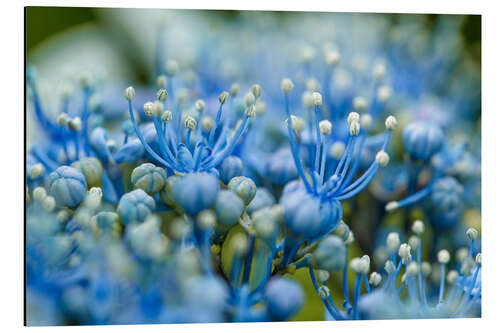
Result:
<point x="130" y="94"/>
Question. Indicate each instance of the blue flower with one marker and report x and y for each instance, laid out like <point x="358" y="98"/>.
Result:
<point x="68" y="186"/>
<point x="195" y="192"/>
<point x="284" y="297"/>
<point x="135" y="206"/>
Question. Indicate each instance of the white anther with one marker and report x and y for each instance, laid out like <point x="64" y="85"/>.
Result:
<point x="379" y="71"/>
<point x="452" y="276"/>
<point x="307" y="100"/>
<point x="206" y="219"/>
<point x="337" y="149"/>
<point x="260" y="108"/>
<point x="75" y="124"/>
<point x="391" y="123"/>
<point x="426" y="269"/>
<point x="161" y="95"/>
<point x="332" y="58"/>
<point x="239" y="244"/>
<point x="412" y="268"/>
<point x="235" y="88"/>
<point x="392" y="241"/>
<point x="251" y="111"/>
<point x="467" y="265"/>
<point x="36" y="171"/>
<point x="325" y="127"/>
<point x="418" y="227"/>
<point x="472" y="233"/>
<point x="323" y="275"/>
<point x="129" y="93"/>
<point x="39" y="193"/>
<point x="62" y="119"/>
<point x="443" y="256"/>
<point x="354" y="128"/>
<point x="298" y="124"/>
<point x="190" y="123"/>
<point x="360" y="103"/>
<point x="249" y="99"/>
<point x="323" y="292"/>
<point x="317" y="98"/>
<point x="223" y="97"/>
<point x="375" y="279"/>
<point x="405" y="253"/>
<point x="157" y="108"/>
<point x="414" y="242"/>
<point x="172" y="67"/>
<point x="207" y="123"/>
<point x="148" y="108"/>
<point x="391" y="205"/>
<point x="366" y="121"/>
<point x="461" y="254"/>
<point x="49" y="203"/>
<point x="382" y="158"/>
<point x="365" y="264"/>
<point x="384" y="93"/>
<point x="356" y="265"/>
<point x="353" y="117"/>
<point x="478" y="259"/>
<point x="256" y="90"/>
<point x="161" y="81"/>
<point x="389" y="267"/>
<point x="199" y="105"/>
<point x="286" y="85"/>
<point x="350" y="238"/>
<point x="167" y="116"/>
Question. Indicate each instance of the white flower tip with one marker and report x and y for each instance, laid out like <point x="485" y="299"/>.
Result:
<point x="223" y="97"/>
<point x="478" y="259"/>
<point x="249" y="99"/>
<point x="251" y="111"/>
<point x="286" y="85"/>
<point x="405" y="252"/>
<point x="392" y="205"/>
<point x="161" y="94"/>
<point x="350" y="238"/>
<point x="375" y="279"/>
<point x="307" y="100"/>
<point x="130" y="93"/>
<point x="148" y="108"/>
<point x="382" y="158"/>
<point x="391" y="123"/>
<point x="366" y="121"/>
<point x="360" y="103"/>
<point x="157" y="108"/>
<point x="161" y="81"/>
<point x="39" y="193"/>
<point x="62" y="119"/>
<point x="332" y="58"/>
<point x="298" y="124"/>
<point x="426" y="269"/>
<point x="75" y="124"/>
<point x="412" y="268"/>
<point x="323" y="292"/>
<point x="260" y="108"/>
<point x="325" y="127"/>
<point x="308" y="54"/>
<point x="207" y="123"/>
<point x="379" y="71"/>
<point x="452" y="276"/>
<point x="36" y="171"/>
<point x="172" y="67"/>
<point x="384" y="93"/>
<point x="414" y="242"/>
<point x="418" y="227"/>
<point x="190" y="123"/>
<point x="167" y="116"/>
<point x="256" y="90"/>
<point x="239" y="244"/>
<point x="317" y="98"/>
<point x="199" y="105"/>
<point x="352" y="117"/>
<point x="354" y="128"/>
<point x="472" y="233"/>
<point x="389" y="267"/>
<point x="337" y="149"/>
<point x="443" y="256"/>
<point x="206" y="219"/>
<point x="323" y="275"/>
<point x="235" y="88"/>
<point x="392" y="241"/>
<point x="49" y="203"/>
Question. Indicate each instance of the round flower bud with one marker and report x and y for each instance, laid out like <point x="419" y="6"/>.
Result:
<point x="206" y="219"/>
<point x="199" y="105"/>
<point x="161" y="95"/>
<point x="149" y="178"/>
<point x="391" y="123"/>
<point x="472" y="233"/>
<point x="405" y="253"/>
<point x="68" y="186"/>
<point x="263" y="198"/>
<point x="223" y="97"/>
<point x="426" y="269"/>
<point x="148" y="108"/>
<point x="36" y="171"/>
<point x="422" y="140"/>
<point x="231" y="167"/>
<point x="382" y="158"/>
<point x="353" y="117"/>
<point x="146" y="239"/>
<point x="265" y="222"/>
<point x="161" y="81"/>
<point x="244" y="187"/>
<point x="284" y="298"/>
<point x="360" y="103"/>
<point x="256" y="90"/>
<point x="108" y="222"/>
<point x="75" y="124"/>
<point x="49" y="203"/>
<point x="130" y="94"/>
<point x="286" y="85"/>
<point x="393" y="241"/>
<point x="452" y="276"/>
<point x="330" y="254"/>
<point x="167" y="116"/>
<point x="366" y="121"/>
<point x="323" y="275"/>
<point x="412" y="268"/>
<point x="235" y="88"/>
<point x="375" y="279"/>
<point x="207" y="123"/>
<point x="317" y="99"/>
<point x="443" y="257"/>
<point x="91" y="168"/>
<point x="325" y="127"/>
<point x="195" y="192"/>
<point x="418" y="227"/>
<point x="249" y="99"/>
<point x="39" y="193"/>
<point x="172" y="67"/>
<point x="135" y="206"/>
<point x="190" y="123"/>
<point x="337" y="149"/>
<point x="384" y="93"/>
<point x="228" y="208"/>
<point x="239" y="245"/>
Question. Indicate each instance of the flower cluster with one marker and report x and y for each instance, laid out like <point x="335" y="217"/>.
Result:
<point x="199" y="203"/>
